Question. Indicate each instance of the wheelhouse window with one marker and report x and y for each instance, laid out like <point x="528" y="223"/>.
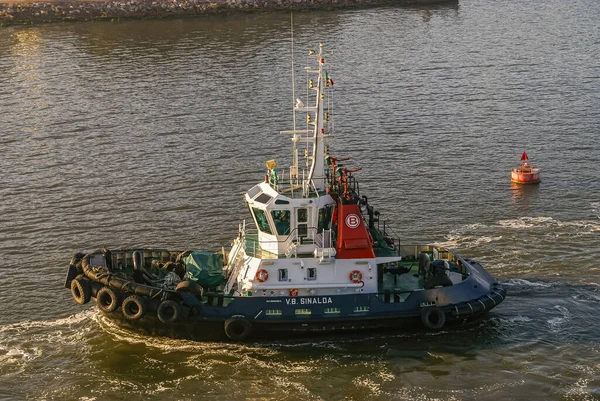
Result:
<point x="311" y="273"/>
<point x="261" y="220"/>
<point x="325" y="216"/>
<point x="255" y="190"/>
<point x="263" y="198"/>
<point x="302" y="218"/>
<point x="281" y="218"/>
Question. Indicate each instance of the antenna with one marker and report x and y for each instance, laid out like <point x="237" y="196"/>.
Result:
<point x="293" y="84"/>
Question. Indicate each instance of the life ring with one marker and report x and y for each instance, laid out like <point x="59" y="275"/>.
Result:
<point x="168" y="311"/>
<point x="134" y="307"/>
<point x="238" y="328"/>
<point x="81" y="290"/>
<point x="433" y="318"/>
<point x="293" y="292"/>
<point x="355" y="276"/>
<point x="261" y="275"/>
<point x="107" y="300"/>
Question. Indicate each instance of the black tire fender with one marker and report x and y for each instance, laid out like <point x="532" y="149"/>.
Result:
<point x="168" y="311"/>
<point x="433" y="318"/>
<point x="81" y="290"/>
<point x="107" y="300"/>
<point x="238" y="328"/>
<point x="189" y="286"/>
<point x="134" y="307"/>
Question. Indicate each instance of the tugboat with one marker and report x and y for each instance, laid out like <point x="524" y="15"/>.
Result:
<point x="318" y="260"/>
<point x="525" y="174"/>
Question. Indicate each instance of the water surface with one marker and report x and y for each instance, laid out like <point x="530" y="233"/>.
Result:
<point x="146" y="133"/>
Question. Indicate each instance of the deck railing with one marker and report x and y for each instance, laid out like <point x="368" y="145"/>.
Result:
<point x="289" y="246"/>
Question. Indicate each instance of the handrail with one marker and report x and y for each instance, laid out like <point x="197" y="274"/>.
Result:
<point x="292" y="240"/>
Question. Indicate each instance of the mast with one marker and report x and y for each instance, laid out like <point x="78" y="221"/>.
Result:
<point x="317" y="169"/>
<point x="314" y="134"/>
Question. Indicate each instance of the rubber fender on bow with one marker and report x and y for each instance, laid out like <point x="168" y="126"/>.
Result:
<point x="134" y="307"/>
<point x="74" y="269"/>
<point x="497" y="297"/>
<point x="71" y="274"/>
<point x="81" y="290"/>
<point x="238" y="328"/>
<point x="433" y="318"/>
<point x="168" y="311"/>
<point x="107" y="300"/>
<point x="189" y="286"/>
<point x="477" y="305"/>
<point x="488" y="302"/>
<point x="462" y="310"/>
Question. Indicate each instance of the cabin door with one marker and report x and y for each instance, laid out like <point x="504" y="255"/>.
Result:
<point x="302" y="223"/>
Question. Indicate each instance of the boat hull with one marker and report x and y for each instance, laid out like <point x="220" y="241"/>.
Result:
<point x="196" y="313"/>
<point x="210" y="325"/>
<point x="262" y="317"/>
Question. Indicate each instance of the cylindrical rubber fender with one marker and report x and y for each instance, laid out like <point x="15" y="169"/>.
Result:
<point x="189" y="286"/>
<point x="433" y="318"/>
<point x="497" y="297"/>
<point x="81" y="290"/>
<point x="103" y="276"/>
<point x="238" y="328"/>
<point x="462" y="309"/>
<point x="137" y="260"/>
<point x="168" y="311"/>
<point x="76" y="258"/>
<point x="488" y="302"/>
<point x="477" y="306"/>
<point x="107" y="300"/>
<point x="134" y="307"/>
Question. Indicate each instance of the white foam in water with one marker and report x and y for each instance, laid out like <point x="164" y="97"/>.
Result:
<point x="526" y="283"/>
<point x="450" y="243"/>
<point x="18" y="355"/>
<point x="525" y="222"/>
<point x="557" y="323"/>
<point x="520" y="319"/>
<point x="581" y="226"/>
<point x="33" y="324"/>
<point x="457" y="241"/>
<point x="475" y="226"/>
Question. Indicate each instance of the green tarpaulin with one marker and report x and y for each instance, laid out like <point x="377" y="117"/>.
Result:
<point x="205" y="268"/>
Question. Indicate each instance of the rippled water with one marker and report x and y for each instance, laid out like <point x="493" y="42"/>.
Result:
<point x="146" y="133"/>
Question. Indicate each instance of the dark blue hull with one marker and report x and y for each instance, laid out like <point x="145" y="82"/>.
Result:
<point x="192" y="312"/>
<point x="384" y="313"/>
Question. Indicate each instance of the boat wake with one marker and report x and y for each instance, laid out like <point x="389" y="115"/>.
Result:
<point x="24" y="342"/>
<point x="561" y="322"/>
<point x="69" y="321"/>
<point x="522" y="283"/>
<point x="532" y="246"/>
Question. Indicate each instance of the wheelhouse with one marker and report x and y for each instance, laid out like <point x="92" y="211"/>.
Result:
<point x="287" y="222"/>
